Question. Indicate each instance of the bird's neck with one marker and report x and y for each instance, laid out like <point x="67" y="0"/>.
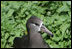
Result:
<point x="36" y="40"/>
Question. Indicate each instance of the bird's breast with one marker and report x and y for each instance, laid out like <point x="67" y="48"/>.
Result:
<point x="36" y="40"/>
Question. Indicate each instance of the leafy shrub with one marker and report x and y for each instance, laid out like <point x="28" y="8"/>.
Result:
<point x="56" y="16"/>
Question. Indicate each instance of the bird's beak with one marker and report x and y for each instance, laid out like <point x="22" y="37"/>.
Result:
<point x="44" y="29"/>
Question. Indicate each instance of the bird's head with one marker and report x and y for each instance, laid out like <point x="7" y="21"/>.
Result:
<point x="35" y="24"/>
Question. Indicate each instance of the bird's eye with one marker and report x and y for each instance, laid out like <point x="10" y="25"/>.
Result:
<point x="36" y="24"/>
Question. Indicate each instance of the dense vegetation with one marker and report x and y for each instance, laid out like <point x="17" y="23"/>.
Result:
<point x="56" y="16"/>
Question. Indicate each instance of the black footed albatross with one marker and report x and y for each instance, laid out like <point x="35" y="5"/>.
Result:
<point x="34" y="39"/>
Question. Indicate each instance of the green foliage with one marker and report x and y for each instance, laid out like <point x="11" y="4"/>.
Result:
<point x="56" y="16"/>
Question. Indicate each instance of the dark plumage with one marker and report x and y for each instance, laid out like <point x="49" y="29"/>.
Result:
<point x="33" y="39"/>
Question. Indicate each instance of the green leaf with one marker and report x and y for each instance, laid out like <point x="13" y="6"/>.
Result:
<point x="56" y="39"/>
<point x="44" y="35"/>
<point x="69" y="3"/>
<point x="11" y="40"/>
<point x="63" y="9"/>
<point x="7" y="35"/>
<point x="10" y="12"/>
<point x="63" y="27"/>
<point x="61" y="44"/>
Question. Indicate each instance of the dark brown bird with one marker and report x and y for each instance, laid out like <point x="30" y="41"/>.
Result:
<point x="33" y="39"/>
